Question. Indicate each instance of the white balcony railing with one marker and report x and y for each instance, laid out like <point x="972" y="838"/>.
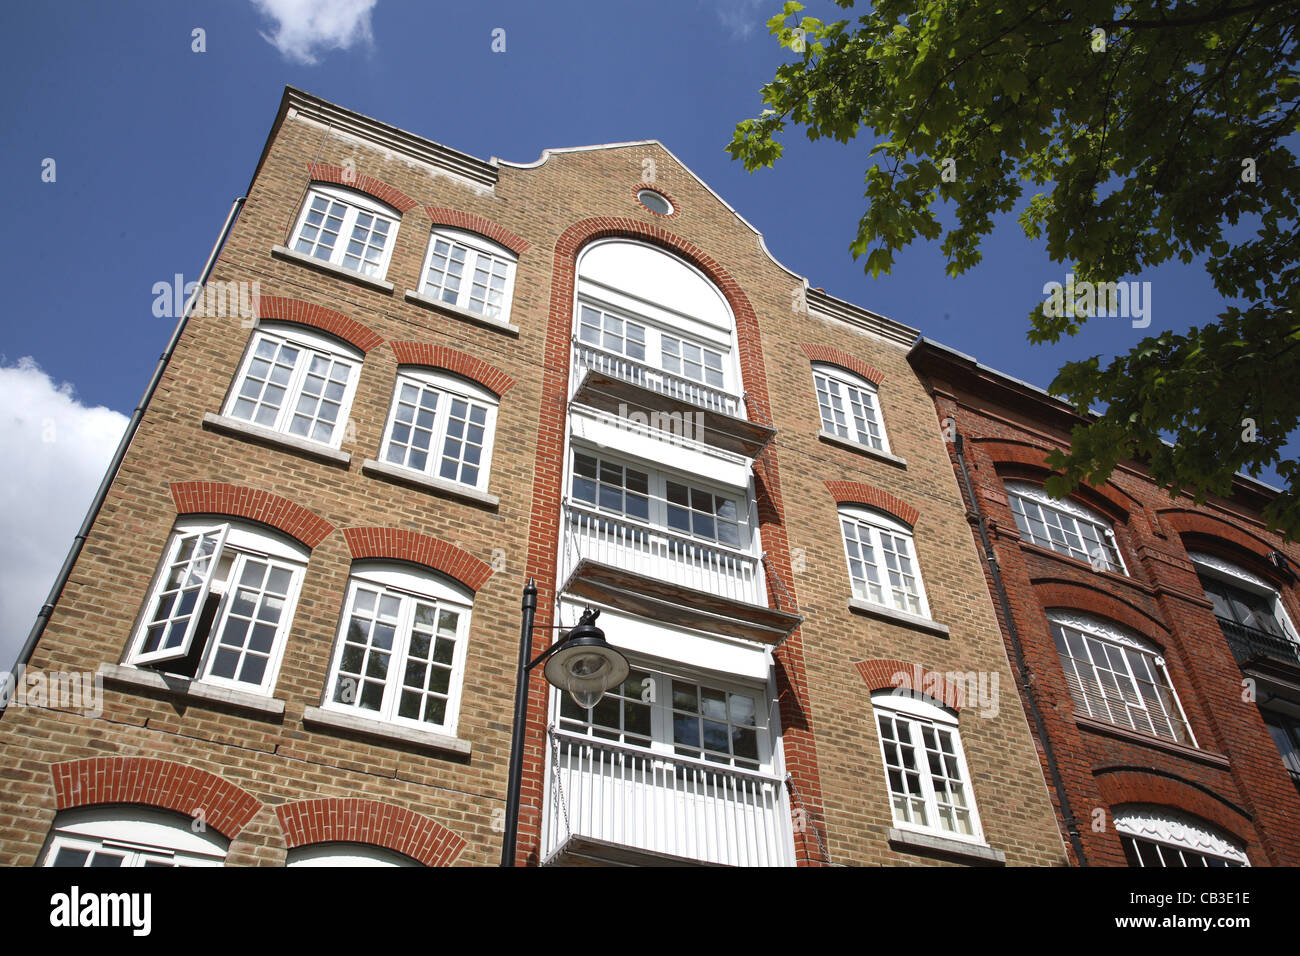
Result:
<point x="664" y="804"/>
<point x="656" y="552"/>
<point x="655" y="379"/>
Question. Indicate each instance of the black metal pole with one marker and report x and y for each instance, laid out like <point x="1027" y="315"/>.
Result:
<point x="517" y="735"/>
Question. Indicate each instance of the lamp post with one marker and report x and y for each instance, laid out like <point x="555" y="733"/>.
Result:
<point x="581" y="663"/>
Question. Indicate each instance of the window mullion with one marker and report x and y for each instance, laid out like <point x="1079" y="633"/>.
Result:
<point x="401" y="649"/>
<point x="293" y="388"/>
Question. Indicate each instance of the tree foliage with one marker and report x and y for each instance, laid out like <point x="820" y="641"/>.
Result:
<point x="1147" y="130"/>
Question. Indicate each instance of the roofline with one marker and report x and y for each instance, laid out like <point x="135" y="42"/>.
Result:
<point x="485" y="174"/>
<point x="1031" y="391"/>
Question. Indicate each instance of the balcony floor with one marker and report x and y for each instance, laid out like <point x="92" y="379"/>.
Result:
<point x="587" y="851"/>
<point x="663" y="600"/>
<point x="609" y="394"/>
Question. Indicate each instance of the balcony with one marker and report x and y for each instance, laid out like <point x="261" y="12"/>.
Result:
<point x="612" y="804"/>
<point x="662" y="574"/>
<point x="614" y="383"/>
<point x="1251" y="646"/>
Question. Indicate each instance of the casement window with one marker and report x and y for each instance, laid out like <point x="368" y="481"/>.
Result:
<point x="469" y="272"/>
<point x="849" y="406"/>
<point x="400" y="654"/>
<point x="882" y="565"/>
<point x="221" y="605"/>
<point x="346" y="854"/>
<point x="925" y="769"/>
<point x="1115" y="676"/>
<point x="129" y="836"/>
<point x="690" y="508"/>
<point x="1064" y="526"/>
<point x="441" y="425"/>
<point x="297" y="382"/>
<point x="347" y="229"/>
<point x="702" y="719"/>
<point x="1162" y="837"/>
<point x="1241" y="598"/>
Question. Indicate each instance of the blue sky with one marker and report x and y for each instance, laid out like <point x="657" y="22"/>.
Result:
<point x="152" y="141"/>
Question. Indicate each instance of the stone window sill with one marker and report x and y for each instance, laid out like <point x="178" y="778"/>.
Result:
<point x="897" y="617"/>
<point x="458" y="313"/>
<point x="284" y="252"/>
<point x="259" y="433"/>
<point x="438" y="486"/>
<point x="979" y="852"/>
<point x="860" y="448"/>
<point x="382" y="730"/>
<point x="183" y="688"/>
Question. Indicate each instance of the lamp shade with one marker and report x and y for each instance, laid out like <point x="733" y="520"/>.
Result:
<point x="586" y="665"/>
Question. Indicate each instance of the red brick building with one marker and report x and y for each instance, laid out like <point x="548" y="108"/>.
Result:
<point x="415" y="379"/>
<point x="1156" y="638"/>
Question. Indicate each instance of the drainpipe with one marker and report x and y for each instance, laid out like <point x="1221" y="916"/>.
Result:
<point x="1071" y="824"/>
<point x="61" y="580"/>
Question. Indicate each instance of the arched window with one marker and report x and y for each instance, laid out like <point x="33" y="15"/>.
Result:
<point x="925" y="768"/>
<point x="1064" y="526"/>
<point x="400" y="654"/>
<point x="1242" y="599"/>
<point x="121" y="836"/>
<point x="469" y="272"/>
<point x="1156" y="836"/>
<point x="347" y="229"/>
<point x="221" y="604"/>
<point x="442" y="426"/>
<point x="882" y="565"/>
<point x="1118" y="677"/>
<point x="296" y="381"/>
<point x="849" y="406"/>
<point x="346" y="854"/>
<point x="646" y="316"/>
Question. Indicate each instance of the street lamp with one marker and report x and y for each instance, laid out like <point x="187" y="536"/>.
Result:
<point x="582" y="663"/>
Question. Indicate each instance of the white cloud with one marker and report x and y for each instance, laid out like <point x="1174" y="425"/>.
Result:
<point x="57" y="450"/>
<point x="306" y="28"/>
<point x="743" y="17"/>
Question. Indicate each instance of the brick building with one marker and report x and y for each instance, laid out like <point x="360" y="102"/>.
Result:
<point x="1156" y="637"/>
<point x="302" y="590"/>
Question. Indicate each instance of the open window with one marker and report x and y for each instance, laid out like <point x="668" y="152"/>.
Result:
<point x="221" y="605"/>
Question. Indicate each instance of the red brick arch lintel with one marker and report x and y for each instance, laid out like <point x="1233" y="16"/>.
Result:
<point x="151" y="782"/>
<point x="891" y="674"/>
<point x="1121" y="785"/>
<point x="399" y="544"/>
<point x="356" y="820"/>
<point x="264" y="507"/>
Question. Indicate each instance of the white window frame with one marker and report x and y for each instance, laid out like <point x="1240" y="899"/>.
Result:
<point x="410" y="586"/>
<point x="449" y="388"/>
<point x="873" y="523"/>
<point x="1240" y="578"/>
<point x="659" y="692"/>
<point x="346" y="853"/>
<point x="838" y="382"/>
<point x="1177" y="831"/>
<point x="1072" y="514"/>
<point x="478" y="248"/>
<point x="914" y="711"/>
<point x="309" y="344"/>
<point x="240" y="543"/>
<point x="654" y="335"/>
<point x="657" y="480"/>
<point x="1110" y="635"/>
<point x="356" y="202"/>
<point x="138" y="836"/>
